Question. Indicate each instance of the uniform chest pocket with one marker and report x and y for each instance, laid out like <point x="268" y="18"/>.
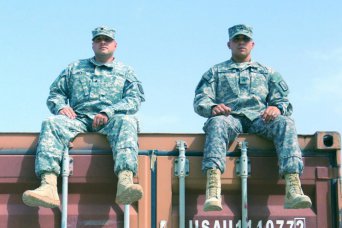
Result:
<point x="111" y="89"/>
<point x="259" y="85"/>
<point x="227" y="86"/>
<point x="79" y="86"/>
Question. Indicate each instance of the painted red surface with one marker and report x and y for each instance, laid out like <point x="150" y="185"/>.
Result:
<point x="92" y="186"/>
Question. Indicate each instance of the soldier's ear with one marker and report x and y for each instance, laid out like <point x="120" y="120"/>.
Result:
<point x="228" y="44"/>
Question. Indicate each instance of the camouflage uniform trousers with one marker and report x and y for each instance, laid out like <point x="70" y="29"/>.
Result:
<point x="57" y="131"/>
<point x="220" y="130"/>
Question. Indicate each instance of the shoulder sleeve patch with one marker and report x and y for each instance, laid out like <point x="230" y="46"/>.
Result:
<point x="278" y="83"/>
<point x="283" y="86"/>
<point x="130" y="76"/>
<point x="208" y="76"/>
<point x="275" y="77"/>
<point x="141" y="90"/>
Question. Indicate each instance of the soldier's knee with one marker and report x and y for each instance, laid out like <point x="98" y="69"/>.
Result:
<point x="122" y="119"/>
<point x="216" y="122"/>
<point x="51" y="120"/>
<point x="284" y="120"/>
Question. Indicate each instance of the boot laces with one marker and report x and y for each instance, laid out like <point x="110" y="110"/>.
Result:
<point x="213" y="184"/>
<point x="294" y="187"/>
<point x="125" y="178"/>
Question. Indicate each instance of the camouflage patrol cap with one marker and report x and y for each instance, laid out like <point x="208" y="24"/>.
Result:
<point x="104" y="31"/>
<point x="240" y="30"/>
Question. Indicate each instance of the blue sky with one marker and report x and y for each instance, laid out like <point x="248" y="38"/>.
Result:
<point x="170" y="44"/>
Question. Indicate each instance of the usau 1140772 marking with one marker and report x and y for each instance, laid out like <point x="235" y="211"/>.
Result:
<point x="278" y="223"/>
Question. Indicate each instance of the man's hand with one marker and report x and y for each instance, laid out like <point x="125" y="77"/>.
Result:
<point x="221" y="109"/>
<point x="67" y="111"/>
<point x="270" y="113"/>
<point x="99" y="120"/>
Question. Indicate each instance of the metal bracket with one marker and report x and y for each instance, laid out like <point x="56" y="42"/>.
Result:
<point x="187" y="167"/>
<point x="181" y="145"/>
<point x="68" y="170"/>
<point x="237" y="167"/>
<point x="244" y="165"/>
<point x="71" y="166"/>
<point x="181" y="164"/>
<point x="153" y="159"/>
<point x="163" y="224"/>
<point x="67" y="165"/>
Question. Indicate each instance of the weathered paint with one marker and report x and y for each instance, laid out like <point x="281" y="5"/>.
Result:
<point x="265" y="189"/>
<point x="92" y="186"/>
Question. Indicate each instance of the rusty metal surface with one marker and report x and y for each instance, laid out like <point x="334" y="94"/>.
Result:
<point x="265" y="195"/>
<point x="93" y="184"/>
<point x="265" y="189"/>
<point x="164" y="141"/>
<point x="92" y="190"/>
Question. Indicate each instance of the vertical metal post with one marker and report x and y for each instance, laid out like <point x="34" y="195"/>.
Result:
<point x="181" y="171"/>
<point x="244" y="175"/>
<point x="65" y="177"/>
<point x="153" y="166"/>
<point x="340" y="187"/>
<point x="126" y="216"/>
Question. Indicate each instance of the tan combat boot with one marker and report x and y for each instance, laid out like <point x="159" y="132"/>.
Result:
<point x="46" y="195"/>
<point x="213" y="191"/>
<point x="127" y="192"/>
<point x="295" y="198"/>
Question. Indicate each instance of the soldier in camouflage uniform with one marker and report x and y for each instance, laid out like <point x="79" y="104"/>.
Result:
<point x="98" y="94"/>
<point x="238" y="96"/>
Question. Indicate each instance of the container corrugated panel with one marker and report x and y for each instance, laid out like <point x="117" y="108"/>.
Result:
<point x="320" y="180"/>
<point x="92" y="186"/>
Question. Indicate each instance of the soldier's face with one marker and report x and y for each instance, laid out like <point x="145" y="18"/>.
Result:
<point x="241" y="47"/>
<point x="103" y="45"/>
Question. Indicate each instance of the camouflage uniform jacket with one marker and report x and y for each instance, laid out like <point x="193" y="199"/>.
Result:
<point x="90" y="88"/>
<point x="247" y="88"/>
